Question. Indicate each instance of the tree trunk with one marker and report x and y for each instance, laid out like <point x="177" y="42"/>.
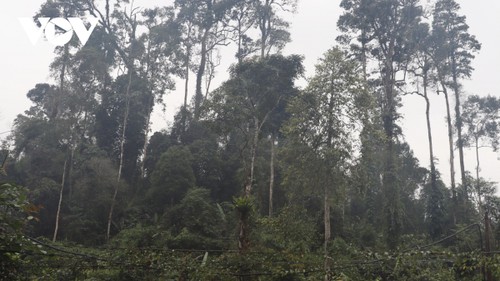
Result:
<point x="271" y="176"/>
<point x="363" y="55"/>
<point x="391" y="187"/>
<point x="487" y="244"/>
<point x="54" y="115"/>
<point x="452" y="152"/>
<point x="265" y="28"/>
<point x="70" y="171"/>
<point x="328" y="233"/>
<point x="429" y="136"/>
<point x="239" y="54"/>
<point x="478" y="187"/>
<point x="122" y="153"/>
<point x="263" y="38"/>
<point x="199" y="75"/>
<point x="56" y="228"/>
<point x="458" y="121"/>
<point x="146" y="135"/>
<point x="186" y="82"/>
<point x="253" y="153"/>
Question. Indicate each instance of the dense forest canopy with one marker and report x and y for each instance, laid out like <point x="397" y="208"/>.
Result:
<point x="256" y="178"/>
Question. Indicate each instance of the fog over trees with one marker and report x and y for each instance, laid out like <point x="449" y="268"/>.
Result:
<point x="267" y="175"/>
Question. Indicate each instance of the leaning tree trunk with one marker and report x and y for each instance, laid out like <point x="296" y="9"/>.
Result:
<point x="265" y="28"/>
<point x="429" y="136"/>
<point x="253" y="154"/>
<point x="391" y="188"/>
<point x="146" y="135"/>
<point x="452" y="152"/>
<point x="186" y="80"/>
<point x="458" y="121"/>
<point x="122" y="154"/>
<point x="328" y="233"/>
<point x="199" y="75"/>
<point x="61" y="191"/>
<point x="271" y="176"/>
<point x="54" y="112"/>
<point x="478" y="187"/>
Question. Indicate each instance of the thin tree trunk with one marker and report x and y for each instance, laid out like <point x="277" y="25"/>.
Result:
<point x="263" y="38"/>
<point x="70" y="171"/>
<point x="429" y="136"/>
<point x="240" y="42"/>
<point x="186" y="82"/>
<point x="253" y="153"/>
<point x="452" y="152"/>
<point x="56" y="228"/>
<point x="458" y="121"/>
<point x="363" y="54"/>
<point x="146" y="136"/>
<point x="265" y="27"/>
<point x="54" y="113"/>
<point x="328" y="233"/>
<point x="391" y="187"/>
<point x="122" y="152"/>
<point x="478" y="188"/>
<point x="487" y="244"/>
<point x="186" y="86"/>
<point x="210" y="74"/>
<point x="199" y="75"/>
<point x="271" y="176"/>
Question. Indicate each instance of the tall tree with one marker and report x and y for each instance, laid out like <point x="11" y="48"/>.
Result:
<point x="241" y="22"/>
<point x="254" y="92"/>
<point x="205" y="19"/>
<point x="423" y="69"/>
<point x="60" y="70"/>
<point x="481" y="118"/>
<point x="455" y="55"/>
<point x="387" y="27"/>
<point x="435" y="205"/>
<point x="321" y="132"/>
<point x="158" y="62"/>
<point x="248" y="99"/>
<point x="273" y="35"/>
<point x="272" y="27"/>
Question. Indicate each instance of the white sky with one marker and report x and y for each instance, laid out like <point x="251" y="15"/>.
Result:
<point x="313" y="32"/>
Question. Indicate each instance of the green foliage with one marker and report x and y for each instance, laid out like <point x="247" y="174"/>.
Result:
<point x="347" y="186"/>
<point x="481" y="117"/>
<point x="15" y="212"/>
<point x="196" y="222"/>
<point x="172" y="177"/>
<point x="290" y="231"/>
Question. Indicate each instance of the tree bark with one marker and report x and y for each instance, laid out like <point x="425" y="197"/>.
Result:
<point x="55" y="113"/>
<point x="478" y="187"/>
<point x="487" y="244"/>
<point x="328" y="234"/>
<point x="186" y="80"/>
<point x="253" y="153"/>
<point x="271" y="176"/>
<point x="452" y="151"/>
<point x="458" y="123"/>
<point x="265" y="27"/>
<point x="429" y="136"/>
<point x="146" y="135"/>
<point x="61" y="191"/>
<point x="122" y="153"/>
<point x="390" y="184"/>
<point x="199" y="75"/>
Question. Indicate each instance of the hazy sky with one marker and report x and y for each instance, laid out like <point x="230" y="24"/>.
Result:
<point x="313" y="32"/>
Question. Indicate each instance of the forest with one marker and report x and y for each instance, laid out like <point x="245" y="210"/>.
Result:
<point x="256" y="178"/>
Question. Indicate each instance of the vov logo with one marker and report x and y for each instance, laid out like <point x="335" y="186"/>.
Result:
<point x="57" y="38"/>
